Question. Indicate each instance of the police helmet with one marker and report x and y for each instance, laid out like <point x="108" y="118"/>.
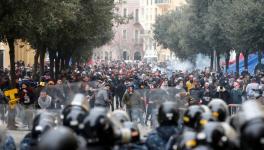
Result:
<point x="235" y="121"/>
<point x="213" y="134"/>
<point x="187" y="141"/>
<point x="192" y="116"/>
<point x="81" y="101"/>
<point x="72" y="117"/>
<point x="59" y="138"/>
<point x="252" y="127"/>
<point x="205" y="117"/>
<point x="97" y="128"/>
<point x="168" y="114"/>
<point x="252" y="135"/>
<point x="120" y="115"/>
<point x="73" y="114"/>
<point x="219" y="109"/>
<point x="41" y="124"/>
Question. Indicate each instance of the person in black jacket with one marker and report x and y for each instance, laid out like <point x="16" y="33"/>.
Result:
<point x="27" y="100"/>
<point x="223" y="94"/>
<point x="119" y="91"/>
<point x="196" y="94"/>
<point x="208" y="93"/>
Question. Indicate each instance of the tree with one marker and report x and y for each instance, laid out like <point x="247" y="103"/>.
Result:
<point x="13" y="21"/>
<point x="170" y="30"/>
<point x="46" y="21"/>
<point x="214" y="30"/>
<point x="208" y="25"/>
<point x="244" y="27"/>
<point x="183" y="30"/>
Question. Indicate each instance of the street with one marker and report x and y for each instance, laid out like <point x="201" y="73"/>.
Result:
<point x="18" y="135"/>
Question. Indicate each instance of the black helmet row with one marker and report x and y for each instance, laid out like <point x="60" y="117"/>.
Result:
<point x="215" y="129"/>
<point x="204" y="127"/>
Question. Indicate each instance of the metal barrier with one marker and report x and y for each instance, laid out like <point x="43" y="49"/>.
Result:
<point x="234" y="108"/>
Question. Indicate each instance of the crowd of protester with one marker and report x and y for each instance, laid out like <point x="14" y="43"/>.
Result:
<point x="130" y="86"/>
<point x="136" y="88"/>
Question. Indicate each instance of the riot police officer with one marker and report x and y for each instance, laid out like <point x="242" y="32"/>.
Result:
<point x="218" y="136"/>
<point x="73" y="114"/>
<point x="41" y="124"/>
<point x="252" y="126"/>
<point x="155" y="97"/>
<point x="168" y="117"/>
<point x="98" y="130"/>
<point x="192" y="116"/>
<point x="219" y="110"/>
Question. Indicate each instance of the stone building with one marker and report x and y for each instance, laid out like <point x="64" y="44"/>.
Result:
<point x="23" y="51"/>
<point x="127" y="43"/>
<point x="149" y="10"/>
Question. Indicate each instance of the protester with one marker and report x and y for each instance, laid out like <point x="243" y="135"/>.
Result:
<point x="44" y="100"/>
<point x="27" y="100"/>
<point x="236" y="94"/>
<point x="102" y="97"/>
<point x="134" y="104"/>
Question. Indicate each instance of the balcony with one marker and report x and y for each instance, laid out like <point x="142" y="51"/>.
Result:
<point x="162" y="2"/>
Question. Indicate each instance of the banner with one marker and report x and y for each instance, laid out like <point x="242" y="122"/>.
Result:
<point x="11" y="94"/>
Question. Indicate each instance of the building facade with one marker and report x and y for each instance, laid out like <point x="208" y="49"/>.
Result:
<point x="23" y="51"/>
<point x="134" y="40"/>
<point x="127" y="43"/>
<point x="149" y="10"/>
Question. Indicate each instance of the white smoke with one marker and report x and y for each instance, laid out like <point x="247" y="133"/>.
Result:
<point x="201" y="61"/>
<point x="178" y="64"/>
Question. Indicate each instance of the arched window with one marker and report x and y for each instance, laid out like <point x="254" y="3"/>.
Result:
<point x="137" y="55"/>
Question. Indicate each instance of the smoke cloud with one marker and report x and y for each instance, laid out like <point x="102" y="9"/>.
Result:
<point x="201" y="61"/>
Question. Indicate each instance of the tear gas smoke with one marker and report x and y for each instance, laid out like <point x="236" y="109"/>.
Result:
<point x="201" y="61"/>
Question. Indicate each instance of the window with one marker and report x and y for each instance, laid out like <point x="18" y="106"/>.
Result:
<point x="136" y="15"/>
<point x="136" y="36"/>
<point x="125" y="34"/>
<point x="124" y="12"/>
